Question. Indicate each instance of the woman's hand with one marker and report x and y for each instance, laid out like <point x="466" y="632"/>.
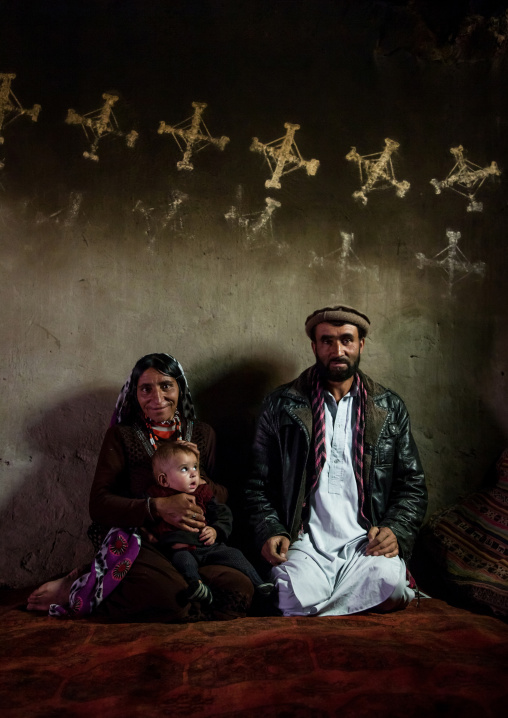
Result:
<point x="180" y="511"/>
<point x="188" y="445"/>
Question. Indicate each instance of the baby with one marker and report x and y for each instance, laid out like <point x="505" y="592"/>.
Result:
<point x="176" y="470"/>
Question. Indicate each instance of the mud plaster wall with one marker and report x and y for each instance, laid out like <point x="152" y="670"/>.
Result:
<point x="105" y="261"/>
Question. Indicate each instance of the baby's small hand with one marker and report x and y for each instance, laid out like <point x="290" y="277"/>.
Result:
<point x="208" y="535"/>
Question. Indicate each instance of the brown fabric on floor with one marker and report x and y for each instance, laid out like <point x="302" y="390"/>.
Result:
<point x="427" y="661"/>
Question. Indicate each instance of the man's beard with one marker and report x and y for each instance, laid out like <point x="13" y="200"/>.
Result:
<point x="334" y="374"/>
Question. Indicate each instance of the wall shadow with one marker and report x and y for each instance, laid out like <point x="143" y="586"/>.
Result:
<point x="44" y="521"/>
<point x="231" y="404"/>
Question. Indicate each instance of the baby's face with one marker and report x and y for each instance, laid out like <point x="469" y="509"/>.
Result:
<point x="182" y="472"/>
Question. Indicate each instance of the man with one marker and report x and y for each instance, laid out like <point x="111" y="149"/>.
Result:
<point x="338" y="492"/>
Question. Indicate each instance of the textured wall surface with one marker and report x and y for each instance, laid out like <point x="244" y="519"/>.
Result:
<point x="105" y="261"/>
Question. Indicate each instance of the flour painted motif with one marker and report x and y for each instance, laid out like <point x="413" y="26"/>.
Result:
<point x="376" y="171"/>
<point x="256" y="227"/>
<point x="10" y="106"/>
<point x="166" y="215"/>
<point x="99" y="124"/>
<point x="452" y="261"/>
<point x="345" y="260"/>
<point x="283" y="156"/>
<point x="466" y="178"/>
<point x="192" y="135"/>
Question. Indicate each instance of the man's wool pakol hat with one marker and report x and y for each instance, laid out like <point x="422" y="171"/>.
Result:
<point x="339" y="313"/>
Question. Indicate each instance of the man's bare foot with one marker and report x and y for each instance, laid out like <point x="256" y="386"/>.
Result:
<point x="52" y="592"/>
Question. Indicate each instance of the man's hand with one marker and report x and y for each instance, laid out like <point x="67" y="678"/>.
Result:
<point x="208" y="535"/>
<point x="275" y="549"/>
<point x="382" y="542"/>
<point x="180" y="511"/>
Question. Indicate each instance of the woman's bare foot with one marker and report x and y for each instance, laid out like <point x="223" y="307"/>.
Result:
<point x="52" y="592"/>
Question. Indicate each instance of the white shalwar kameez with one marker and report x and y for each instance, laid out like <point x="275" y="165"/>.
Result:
<point x="327" y="572"/>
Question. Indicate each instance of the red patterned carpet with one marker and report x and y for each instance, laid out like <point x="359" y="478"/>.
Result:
<point x="434" y="660"/>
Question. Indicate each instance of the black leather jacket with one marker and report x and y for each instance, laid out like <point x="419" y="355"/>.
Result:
<point x="395" y="491"/>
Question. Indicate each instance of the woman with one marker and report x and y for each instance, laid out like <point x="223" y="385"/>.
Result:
<point x="154" y="405"/>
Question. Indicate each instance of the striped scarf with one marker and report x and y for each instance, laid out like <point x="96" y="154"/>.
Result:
<point x="163" y="429"/>
<point x="318" y="416"/>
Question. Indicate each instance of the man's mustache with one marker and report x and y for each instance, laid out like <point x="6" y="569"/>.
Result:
<point x="342" y="360"/>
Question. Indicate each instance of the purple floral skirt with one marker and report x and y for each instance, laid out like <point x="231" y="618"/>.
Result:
<point x="111" y="564"/>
